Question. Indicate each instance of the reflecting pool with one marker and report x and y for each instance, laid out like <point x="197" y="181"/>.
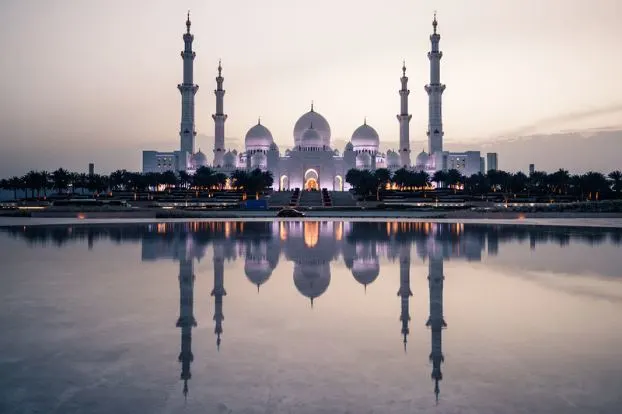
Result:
<point x="310" y="317"/>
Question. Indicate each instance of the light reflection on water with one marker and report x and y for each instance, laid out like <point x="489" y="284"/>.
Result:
<point x="528" y="318"/>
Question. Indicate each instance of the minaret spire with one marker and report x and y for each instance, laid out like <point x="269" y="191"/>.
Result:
<point x="436" y="321"/>
<point x="186" y="319"/>
<point x="219" y="120"/>
<point x="218" y="291"/>
<point x="435" y="91"/>
<point x="404" y="119"/>
<point x="188" y="89"/>
<point x="404" y="292"/>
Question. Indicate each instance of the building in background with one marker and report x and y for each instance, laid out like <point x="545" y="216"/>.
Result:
<point x="532" y="169"/>
<point x="492" y="161"/>
<point x="91" y="168"/>
<point x="312" y="162"/>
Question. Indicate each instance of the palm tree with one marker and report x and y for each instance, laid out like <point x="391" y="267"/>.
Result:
<point x="353" y="177"/>
<point x="31" y="182"/>
<point x="454" y="177"/>
<point x="616" y="180"/>
<point x="439" y="178"/>
<point x="62" y="179"/>
<point x="402" y="177"/>
<point x="185" y="179"/>
<point x="383" y="177"/>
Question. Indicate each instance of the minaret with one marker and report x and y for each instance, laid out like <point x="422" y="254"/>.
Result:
<point x="405" y="293"/>
<point x="219" y="290"/>
<point x="436" y="321"/>
<point x="186" y="319"/>
<point x="219" y="120"/>
<point x="404" y="120"/>
<point x="187" y="89"/>
<point x="435" y="92"/>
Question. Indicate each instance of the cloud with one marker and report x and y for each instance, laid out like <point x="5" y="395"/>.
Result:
<point x="558" y="121"/>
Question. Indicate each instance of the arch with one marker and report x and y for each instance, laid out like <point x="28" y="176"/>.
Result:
<point x="338" y="183"/>
<point x="284" y="183"/>
<point x="311" y="179"/>
<point x="311" y="173"/>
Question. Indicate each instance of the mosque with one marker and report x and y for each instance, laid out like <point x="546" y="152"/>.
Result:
<point x="312" y="162"/>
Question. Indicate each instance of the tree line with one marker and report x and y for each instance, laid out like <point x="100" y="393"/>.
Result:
<point x="40" y="183"/>
<point x="589" y="186"/>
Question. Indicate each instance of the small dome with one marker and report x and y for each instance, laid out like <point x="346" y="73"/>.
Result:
<point x="259" y="160"/>
<point x="393" y="158"/>
<point x="198" y="159"/>
<point x="363" y="161"/>
<point x="365" y="137"/>
<point x="349" y="147"/>
<point x="365" y="271"/>
<point x="274" y="147"/>
<point x="422" y="159"/>
<point x="319" y="124"/>
<point x="258" y="138"/>
<point x="228" y="159"/>
<point x="311" y="139"/>
<point x="257" y="272"/>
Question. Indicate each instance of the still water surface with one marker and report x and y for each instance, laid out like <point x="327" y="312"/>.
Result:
<point x="310" y="317"/>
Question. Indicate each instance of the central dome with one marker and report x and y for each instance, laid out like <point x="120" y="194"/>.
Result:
<point x="311" y="139"/>
<point x="365" y="137"/>
<point x="319" y="124"/>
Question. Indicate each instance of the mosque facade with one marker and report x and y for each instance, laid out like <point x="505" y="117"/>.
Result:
<point x="312" y="162"/>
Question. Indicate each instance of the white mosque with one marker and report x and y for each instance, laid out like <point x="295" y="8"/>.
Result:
<point x="312" y="162"/>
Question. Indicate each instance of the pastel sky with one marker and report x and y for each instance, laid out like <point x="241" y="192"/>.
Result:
<point x="95" y="81"/>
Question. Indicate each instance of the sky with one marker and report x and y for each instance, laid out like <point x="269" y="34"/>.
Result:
<point x="95" y="81"/>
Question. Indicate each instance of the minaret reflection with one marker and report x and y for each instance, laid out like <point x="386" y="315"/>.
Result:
<point x="186" y="319"/>
<point x="219" y="290"/>
<point x="436" y="322"/>
<point x="404" y="292"/>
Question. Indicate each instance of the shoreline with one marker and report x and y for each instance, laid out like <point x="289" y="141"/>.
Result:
<point x="606" y="220"/>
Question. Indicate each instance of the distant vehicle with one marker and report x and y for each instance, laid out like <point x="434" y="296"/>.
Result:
<point x="290" y="212"/>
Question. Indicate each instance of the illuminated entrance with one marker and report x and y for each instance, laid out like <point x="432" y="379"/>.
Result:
<point x="311" y="184"/>
<point x="311" y="180"/>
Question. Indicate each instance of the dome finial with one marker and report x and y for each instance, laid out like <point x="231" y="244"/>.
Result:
<point x="188" y="22"/>
<point x="259" y="120"/>
<point x="434" y="22"/>
<point x="365" y="120"/>
<point x="404" y="67"/>
<point x="219" y="67"/>
<point x="311" y="106"/>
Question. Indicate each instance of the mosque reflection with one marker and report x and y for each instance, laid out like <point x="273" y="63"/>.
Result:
<point x="311" y="246"/>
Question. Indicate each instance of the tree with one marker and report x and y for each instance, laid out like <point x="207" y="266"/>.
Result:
<point x="353" y="177"/>
<point x="220" y="180"/>
<point x="439" y="178"/>
<point x="61" y="179"/>
<point x="203" y="177"/>
<point x="402" y="177"/>
<point x="239" y="179"/>
<point x="558" y="181"/>
<point x="31" y="182"/>
<point x="595" y="184"/>
<point x="185" y="179"/>
<point x="616" y="180"/>
<point x="454" y="178"/>
<point x="518" y="182"/>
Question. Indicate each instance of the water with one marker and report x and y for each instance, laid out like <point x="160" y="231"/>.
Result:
<point x="310" y="317"/>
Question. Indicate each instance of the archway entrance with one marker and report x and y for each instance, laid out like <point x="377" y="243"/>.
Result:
<point x="311" y="180"/>
<point x="284" y="183"/>
<point x="311" y="184"/>
<point x="338" y="183"/>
